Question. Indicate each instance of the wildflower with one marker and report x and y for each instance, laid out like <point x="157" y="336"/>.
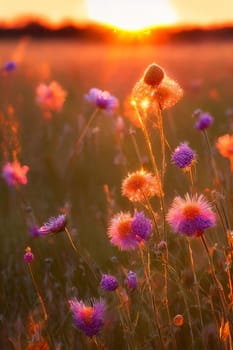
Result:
<point x="183" y="156"/>
<point x="157" y="88"/>
<point x="191" y="216"/>
<point x="89" y="319"/>
<point x="139" y="186"/>
<point x="120" y="232"/>
<point x="204" y="120"/>
<point x="109" y="283"/>
<point x="141" y="226"/>
<point x="54" y="225"/>
<point x="14" y="174"/>
<point x="102" y="100"/>
<point x="34" y="231"/>
<point x="224" y="145"/>
<point x="9" y="66"/>
<point x="28" y="256"/>
<point x="168" y="93"/>
<point x="131" y="280"/>
<point x="178" y="320"/>
<point x="51" y="97"/>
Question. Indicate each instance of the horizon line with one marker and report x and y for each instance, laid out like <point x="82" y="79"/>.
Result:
<point x="24" y="20"/>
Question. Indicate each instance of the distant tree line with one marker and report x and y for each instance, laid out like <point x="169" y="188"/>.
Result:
<point x="100" y="33"/>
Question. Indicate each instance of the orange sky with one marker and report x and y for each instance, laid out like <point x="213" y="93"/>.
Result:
<point x="131" y="13"/>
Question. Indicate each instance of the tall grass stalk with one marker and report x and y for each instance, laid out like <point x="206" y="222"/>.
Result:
<point x="42" y="304"/>
<point x="147" y="273"/>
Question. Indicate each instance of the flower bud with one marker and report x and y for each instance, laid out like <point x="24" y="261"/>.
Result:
<point x="178" y="320"/>
<point x="153" y="75"/>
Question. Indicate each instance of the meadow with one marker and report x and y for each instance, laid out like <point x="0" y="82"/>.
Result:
<point x="179" y="301"/>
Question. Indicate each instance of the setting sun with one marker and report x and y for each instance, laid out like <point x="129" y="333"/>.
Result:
<point x="131" y="15"/>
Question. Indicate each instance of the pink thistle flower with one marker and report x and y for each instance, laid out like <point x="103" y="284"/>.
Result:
<point x="51" y="97"/>
<point x="54" y="225"/>
<point x="139" y="186"/>
<point x="89" y="319"/>
<point x="224" y="145"/>
<point x="120" y="232"/>
<point x="14" y="174"/>
<point x="28" y="256"/>
<point x="102" y="100"/>
<point x="191" y="216"/>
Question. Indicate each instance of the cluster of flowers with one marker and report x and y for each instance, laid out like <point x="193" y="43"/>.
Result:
<point x="190" y="216"/>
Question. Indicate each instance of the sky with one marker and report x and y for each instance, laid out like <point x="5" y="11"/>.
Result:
<point x="128" y="14"/>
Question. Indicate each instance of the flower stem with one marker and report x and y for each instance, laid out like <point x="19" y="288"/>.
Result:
<point x="196" y="285"/>
<point x="84" y="258"/>
<point x="212" y="160"/>
<point x="85" y="129"/>
<point x="218" y="285"/>
<point x="146" y="266"/>
<point x="71" y="240"/>
<point x="132" y="134"/>
<point x="162" y="139"/>
<point x="177" y="278"/>
<point x="38" y="294"/>
<point x="155" y="167"/>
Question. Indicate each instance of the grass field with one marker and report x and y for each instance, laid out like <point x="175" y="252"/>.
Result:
<point x="81" y="188"/>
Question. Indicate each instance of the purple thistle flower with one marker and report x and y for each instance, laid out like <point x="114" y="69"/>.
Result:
<point x="54" y="225"/>
<point x="34" y="231"/>
<point x="9" y="66"/>
<point x="89" y="319"/>
<point x="131" y="280"/>
<point x="102" y="100"/>
<point x="28" y="256"/>
<point x="204" y="121"/>
<point x="191" y="216"/>
<point x="183" y="156"/>
<point x="109" y="283"/>
<point x="141" y="226"/>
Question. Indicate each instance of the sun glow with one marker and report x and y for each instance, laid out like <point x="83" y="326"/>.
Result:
<point x="131" y="15"/>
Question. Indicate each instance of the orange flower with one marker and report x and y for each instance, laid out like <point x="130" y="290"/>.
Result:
<point x="224" y="145"/>
<point x="139" y="186"/>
